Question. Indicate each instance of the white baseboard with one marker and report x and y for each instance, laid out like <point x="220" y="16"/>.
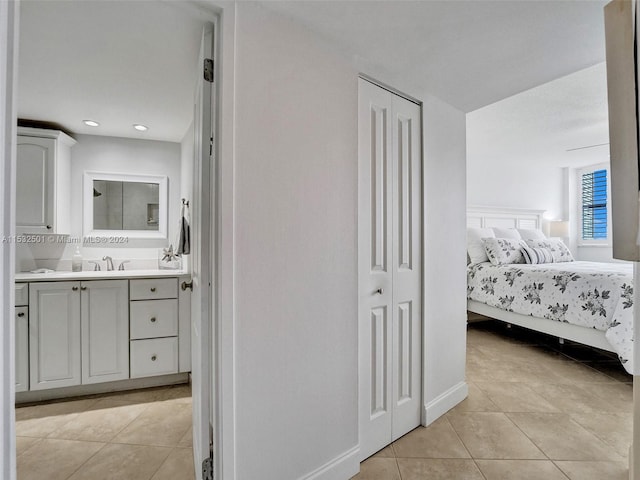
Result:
<point x="342" y="467"/>
<point x="444" y="402"/>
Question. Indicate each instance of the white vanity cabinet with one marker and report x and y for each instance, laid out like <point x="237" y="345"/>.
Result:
<point x="22" y="336"/>
<point x="54" y="334"/>
<point x="104" y="320"/>
<point x="43" y="179"/>
<point x="79" y="333"/>
<point x="154" y="327"/>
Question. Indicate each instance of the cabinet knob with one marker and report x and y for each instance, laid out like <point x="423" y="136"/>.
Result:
<point x="49" y="227"/>
<point x="152" y="319"/>
<point x="380" y="291"/>
<point x="153" y="358"/>
<point x="75" y="289"/>
<point x="21" y="314"/>
<point x="83" y="288"/>
<point x="153" y="289"/>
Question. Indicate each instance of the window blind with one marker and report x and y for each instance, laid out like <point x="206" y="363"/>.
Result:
<point x="594" y="205"/>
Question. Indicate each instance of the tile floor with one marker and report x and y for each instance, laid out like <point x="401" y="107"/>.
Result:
<point x="138" y="435"/>
<point x="536" y="411"/>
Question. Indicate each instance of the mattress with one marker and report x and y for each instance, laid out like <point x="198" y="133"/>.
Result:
<point x="588" y="294"/>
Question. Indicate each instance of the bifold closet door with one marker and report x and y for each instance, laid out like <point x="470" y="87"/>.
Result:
<point x="389" y="264"/>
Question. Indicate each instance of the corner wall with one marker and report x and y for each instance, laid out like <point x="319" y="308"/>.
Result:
<point x="296" y="239"/>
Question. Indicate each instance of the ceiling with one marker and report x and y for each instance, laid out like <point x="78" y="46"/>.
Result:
<point x="547" y="125"/>
<point x="116" y="62"/>
<point x="126" y="62"/>
<point x="468" y="53"/>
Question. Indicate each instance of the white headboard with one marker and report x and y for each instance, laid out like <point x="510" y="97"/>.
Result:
<point x="490" y="217"/>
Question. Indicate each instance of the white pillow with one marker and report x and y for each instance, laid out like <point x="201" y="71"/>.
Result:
<point x="558" y="249"/>
<point x="535" y="256"/>
<point x="503" y="251"/>
<point x="475" y="248"/>
<point x="532" y="234"/>
<point x="507" y="233"/>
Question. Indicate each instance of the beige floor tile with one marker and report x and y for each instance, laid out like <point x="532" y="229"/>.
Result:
<point x="595" y="470"/>
<point x="494" y="436"/>
<point x="99" y="424"/>
<point x="571" y="397"/>
<point x="477" y="401"/>
<point x="516" y="397"/>
<point x="54" y="459"/>
<point x="177" y="466"/>
<point x="123" y="462"/>
<point x="615" y="429"/>
<point x="386" y="452"/>
<point x="568" y="371"/>
<point x="376" y="468"/>
<point x="52" y="409"/>
<point x="41" y="420"/>
<point x="187" y="439"/>
<point x="142" y="396"/>
<point x="560" y="438"/>
<point x="176" y="394"/>
<point x="438" y="469"/>
<point x="159" y="424"/>
<point x="618" y="396"/>
<point x="23" y="444"/>
<point x="522" y="469"/>
<point x="438" y="440"/>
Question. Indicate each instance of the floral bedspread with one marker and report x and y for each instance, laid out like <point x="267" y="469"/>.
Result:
<point x="594" y="295"/>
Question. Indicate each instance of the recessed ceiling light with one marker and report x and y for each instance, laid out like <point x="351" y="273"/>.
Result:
<point x="91" y="123"/>
<point x="140" y="128"/>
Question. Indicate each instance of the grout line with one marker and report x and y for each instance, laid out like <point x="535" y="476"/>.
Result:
<point x="87" y="460"/>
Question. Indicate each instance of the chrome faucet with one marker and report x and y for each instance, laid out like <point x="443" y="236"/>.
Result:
<point x="109" y="261"/>
<point x="121" y="267"/>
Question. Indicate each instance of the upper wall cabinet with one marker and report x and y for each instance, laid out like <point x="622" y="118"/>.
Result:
<point x="43" y="179"/>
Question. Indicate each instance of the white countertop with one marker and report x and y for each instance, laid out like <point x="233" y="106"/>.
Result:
<point x="93" y="275"/>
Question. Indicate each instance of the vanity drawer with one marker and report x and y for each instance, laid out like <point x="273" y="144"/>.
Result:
<point x="156" y="356"/>
<point x="151" y="288"/>
<point x="22" y="294"/>
<point x="153" y="318"/>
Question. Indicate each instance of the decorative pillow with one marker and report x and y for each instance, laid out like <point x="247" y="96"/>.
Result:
<point x="475" y="248"/>
<point x="507" y="233"/>
<point x="503" y="251"/>
<point x="536" y="255"/>
<point x="558" y="249"/>
<point x="532" y="234"/>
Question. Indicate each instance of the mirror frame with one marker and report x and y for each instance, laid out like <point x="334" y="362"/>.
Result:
<point x="87" y="205"/>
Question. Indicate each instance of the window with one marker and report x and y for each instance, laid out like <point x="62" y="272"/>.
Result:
<point x="594" y="198"/>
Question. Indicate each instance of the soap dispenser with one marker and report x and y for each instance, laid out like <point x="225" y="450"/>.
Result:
<point x="76" y="261"/>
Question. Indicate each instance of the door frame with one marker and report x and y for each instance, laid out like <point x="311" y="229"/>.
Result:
<point x="420" y="104"/>
<point x="222" y="333"/>
<point x="9" y="38"/>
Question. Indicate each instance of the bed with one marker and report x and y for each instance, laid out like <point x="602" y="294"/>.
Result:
<point x="586" y="302"/>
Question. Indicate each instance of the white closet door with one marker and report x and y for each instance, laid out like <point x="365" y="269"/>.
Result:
<point x="406" y="266"/>
<point x="389" y="264"/>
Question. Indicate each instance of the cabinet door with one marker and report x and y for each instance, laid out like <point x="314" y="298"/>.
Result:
<point x="105" y="330"/>
<point x="35" y="184"/>
<point x="54" y="334"/>
<point x="22" y="349"/>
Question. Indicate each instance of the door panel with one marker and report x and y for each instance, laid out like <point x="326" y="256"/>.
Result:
<point x="389" y="265"/>
<point x="22" y="349"/>
<point x="203" y="235"/>
<point x="407" y="261"/>
<point x="54" y="334"/>
<point x="105" y="330"/>
<point x="34" y="180"/>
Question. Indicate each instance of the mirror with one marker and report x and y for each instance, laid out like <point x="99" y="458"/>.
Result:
<point x="125" y="205"/>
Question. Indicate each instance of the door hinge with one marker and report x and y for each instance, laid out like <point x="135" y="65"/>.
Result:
<point x="207" y="469"/>
<point x="208" y="70"/>
<point x="211" y="146"/>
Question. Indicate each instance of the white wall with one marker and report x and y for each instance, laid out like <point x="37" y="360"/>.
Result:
<point x="296" y="275"/>
<point x="295" y="250"/>
<point x="111" y="155"/>
<point x="445" y="281"/>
